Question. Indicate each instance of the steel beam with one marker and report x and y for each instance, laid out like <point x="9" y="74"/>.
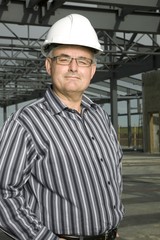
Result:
<point x="142" y="4"/>
<point x="130" y="68"/>
<point x="104" y="20"/>
<point x="4" y="2"/>
<point x="32" y="3"/>
<point x="53" y="7"/>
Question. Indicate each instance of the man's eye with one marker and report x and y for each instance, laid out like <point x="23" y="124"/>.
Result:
<point x="83" y="61"/>
<point x="63" y="59"/>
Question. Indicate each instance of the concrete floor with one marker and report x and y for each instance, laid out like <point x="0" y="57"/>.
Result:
<point x="141" y="197"/>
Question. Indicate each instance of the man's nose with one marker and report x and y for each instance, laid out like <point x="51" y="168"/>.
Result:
<point x="73" y="65"/>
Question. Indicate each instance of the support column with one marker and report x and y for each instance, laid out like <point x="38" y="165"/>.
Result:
<point x="114" y="107"/>
<point x="4" y="113"/>
<point x="129" y="123"/>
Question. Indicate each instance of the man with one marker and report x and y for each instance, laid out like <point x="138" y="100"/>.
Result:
<point x="60" y="164"/>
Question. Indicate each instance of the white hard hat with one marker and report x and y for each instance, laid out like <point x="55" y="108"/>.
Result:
<point x="73" y="29"/>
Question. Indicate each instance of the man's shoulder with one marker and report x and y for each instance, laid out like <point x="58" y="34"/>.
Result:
<point x="26" y="109"/>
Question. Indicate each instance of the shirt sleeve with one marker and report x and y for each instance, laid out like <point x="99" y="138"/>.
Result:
<point x="17" y="155"/>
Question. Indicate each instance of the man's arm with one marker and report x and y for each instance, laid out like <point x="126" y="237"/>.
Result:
<point x="17" y="156"/>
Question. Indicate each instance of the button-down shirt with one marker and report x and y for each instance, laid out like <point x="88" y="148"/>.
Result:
<point x="60" y="171"/>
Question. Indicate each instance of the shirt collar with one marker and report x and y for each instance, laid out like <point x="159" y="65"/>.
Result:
<point x="56" y="106"/>
<point x="88" y="103"/>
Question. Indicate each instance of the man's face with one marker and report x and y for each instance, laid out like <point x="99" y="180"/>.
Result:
<point x="70" y="78"/>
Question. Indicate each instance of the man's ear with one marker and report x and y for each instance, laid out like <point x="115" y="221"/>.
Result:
<point x="48" y="65"/>
<point x="93" y="70"/>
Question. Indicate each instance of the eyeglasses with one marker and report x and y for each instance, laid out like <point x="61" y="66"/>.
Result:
<point x="66" y="60"/>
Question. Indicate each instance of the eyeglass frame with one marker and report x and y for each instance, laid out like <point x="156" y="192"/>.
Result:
<point x="55" y="58"/>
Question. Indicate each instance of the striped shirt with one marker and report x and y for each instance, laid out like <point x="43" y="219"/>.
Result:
<point x="60" y="171"/>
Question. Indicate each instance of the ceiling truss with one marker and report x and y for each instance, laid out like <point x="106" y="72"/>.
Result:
<point x="128" y="31"/>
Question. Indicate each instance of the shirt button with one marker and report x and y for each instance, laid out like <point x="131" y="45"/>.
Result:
<point x="109" y="182"/>
<point x="101" y="159"/>
<point x="114" y="206"/>
<point x="92" y="138"/>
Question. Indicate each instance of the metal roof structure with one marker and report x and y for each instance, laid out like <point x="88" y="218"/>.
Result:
<point x="129" y="32"/>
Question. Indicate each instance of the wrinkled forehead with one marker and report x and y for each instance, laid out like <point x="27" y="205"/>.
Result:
<point x="69" y="48"/>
